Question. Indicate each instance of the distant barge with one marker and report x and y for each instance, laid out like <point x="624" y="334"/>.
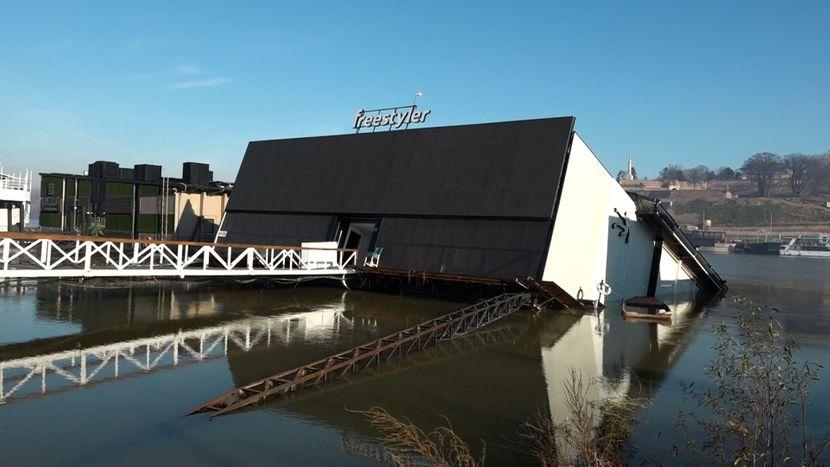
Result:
<point x="809" y="247"/>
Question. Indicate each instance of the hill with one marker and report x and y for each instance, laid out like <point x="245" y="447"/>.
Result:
<point x="691" y="207"/>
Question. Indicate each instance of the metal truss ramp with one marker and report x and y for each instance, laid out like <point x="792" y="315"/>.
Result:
<point x="402" y="343"/>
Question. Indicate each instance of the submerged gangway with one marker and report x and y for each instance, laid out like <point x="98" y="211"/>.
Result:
<point x="36" y="255"/>
<point x="399" y="344"/>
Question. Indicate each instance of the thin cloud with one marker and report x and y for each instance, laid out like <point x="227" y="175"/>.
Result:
<point x="201" y="83"/>
<point x="188" y="70"/>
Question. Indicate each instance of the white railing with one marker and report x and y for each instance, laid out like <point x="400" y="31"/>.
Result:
<point x="21" y="181"/>
<point x="69" y="369"/>
<point x="26" y="255"/>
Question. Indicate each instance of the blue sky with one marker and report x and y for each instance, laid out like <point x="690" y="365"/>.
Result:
<point x="707" y="82"/>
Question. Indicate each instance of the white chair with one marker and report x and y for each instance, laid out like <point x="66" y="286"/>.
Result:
<point x="373" y="259"/>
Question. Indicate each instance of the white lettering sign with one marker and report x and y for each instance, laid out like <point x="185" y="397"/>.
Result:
<point x="394" y="119"/>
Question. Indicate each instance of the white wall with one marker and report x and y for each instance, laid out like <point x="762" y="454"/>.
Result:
<point x="673" y="276"/>
<point x="584" y="248"/>
<point x="4" y="217"/>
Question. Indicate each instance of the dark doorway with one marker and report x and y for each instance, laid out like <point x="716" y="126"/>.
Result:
<point x="358" y="234"/>
<point x="353" y="239"/>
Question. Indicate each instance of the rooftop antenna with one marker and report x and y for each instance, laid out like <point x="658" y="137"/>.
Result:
<point x="417" y="95"/>
<point x="414" y="105"/>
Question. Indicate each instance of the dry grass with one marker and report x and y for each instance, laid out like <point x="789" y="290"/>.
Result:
<point x="617" y="421"/>
<point x="594" y="433"/>
<point x="408" y="444"/>
<point x="538" y="436"/>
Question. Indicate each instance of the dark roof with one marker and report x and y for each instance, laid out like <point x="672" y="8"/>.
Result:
<point x="507" y="169"/>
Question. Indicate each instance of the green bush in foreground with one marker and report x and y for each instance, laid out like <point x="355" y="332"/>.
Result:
<point x="754" y="412"/>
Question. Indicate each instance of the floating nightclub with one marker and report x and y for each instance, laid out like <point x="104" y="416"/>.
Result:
<point x="495" y="200"/>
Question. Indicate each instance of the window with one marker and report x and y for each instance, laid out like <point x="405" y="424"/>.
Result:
<point x="51" y="186"/>
<point x="83" y="189"/>
<point x="119" y="190"/>
<point x="148" y="190"/>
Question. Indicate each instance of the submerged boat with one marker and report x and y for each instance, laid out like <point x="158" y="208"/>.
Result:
<point x="811" y="247"/>
<point x="653" y="310"/>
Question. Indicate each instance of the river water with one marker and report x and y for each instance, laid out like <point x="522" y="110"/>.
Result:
<point x="124" y="403"/>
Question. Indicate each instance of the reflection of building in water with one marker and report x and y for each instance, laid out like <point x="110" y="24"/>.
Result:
<point x="68" y="369"/>
<point x="624" y="357"/>
<point x="492" y="388"/>
<point x="100" y="305"/>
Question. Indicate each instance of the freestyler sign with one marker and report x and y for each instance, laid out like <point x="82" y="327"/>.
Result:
<point x="394" y="119"/>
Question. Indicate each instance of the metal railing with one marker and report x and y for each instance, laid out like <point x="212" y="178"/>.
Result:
<point x="28" y="255"/>
<point x="413" y="339"/>
<point x="22" y="181"/>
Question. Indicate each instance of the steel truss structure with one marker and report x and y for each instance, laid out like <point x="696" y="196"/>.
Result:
<point x="27" y="255"/>
<point x="458" y="323"/>
<point x="442" y="351"/>
<point x="61" y="371"/>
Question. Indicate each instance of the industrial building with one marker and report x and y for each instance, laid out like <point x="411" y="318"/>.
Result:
<point x="496" y="200"/>
<point x="135" y="202"/>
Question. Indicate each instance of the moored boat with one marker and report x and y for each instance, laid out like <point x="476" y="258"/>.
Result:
<point x="719" y="247"/>
<point x="809" y="247"/>
<point x="758" y="248"/>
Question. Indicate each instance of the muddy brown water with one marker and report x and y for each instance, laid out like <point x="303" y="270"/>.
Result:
<point x="485" y="386"/>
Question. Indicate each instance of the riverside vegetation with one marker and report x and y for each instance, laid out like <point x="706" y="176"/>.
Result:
<point x="753" y="410"/>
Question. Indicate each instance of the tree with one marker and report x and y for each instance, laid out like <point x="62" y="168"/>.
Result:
<point x="710" y="175"/>
<point x="802" y="170"/>
<point x="725" y="173"/>
<point x="696" y="174"/>
<point x="755" y="412"/>
<point x="671" y="173"/>
<point x="762" y="167"/>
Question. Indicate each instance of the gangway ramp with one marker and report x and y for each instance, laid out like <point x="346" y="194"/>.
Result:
<point x="39" y="255"/>
<point x="399" y="344"/>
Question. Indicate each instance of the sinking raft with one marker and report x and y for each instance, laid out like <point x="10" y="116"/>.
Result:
<point x="654" y="310"/>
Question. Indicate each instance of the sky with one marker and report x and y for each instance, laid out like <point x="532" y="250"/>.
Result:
<point x="702" y="82"/>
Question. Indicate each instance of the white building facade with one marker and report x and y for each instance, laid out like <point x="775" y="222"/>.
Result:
<point x="15" y="199"/>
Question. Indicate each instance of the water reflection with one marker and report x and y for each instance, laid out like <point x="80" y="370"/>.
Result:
<point x="58" y="371"/>
<point x="487" y="390"/>
<point x="487" y="383"/>
<point x="624" y="358"/>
